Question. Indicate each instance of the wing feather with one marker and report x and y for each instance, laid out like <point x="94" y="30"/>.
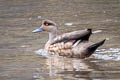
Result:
<point x="75" y="35"/>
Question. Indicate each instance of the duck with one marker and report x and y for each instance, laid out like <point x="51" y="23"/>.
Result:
<point x="75" y="44"/>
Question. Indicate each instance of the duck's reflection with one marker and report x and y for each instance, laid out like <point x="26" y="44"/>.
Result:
<point x="69" y="67"/>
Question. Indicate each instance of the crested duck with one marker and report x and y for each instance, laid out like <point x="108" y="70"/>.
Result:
<point x="72" y="44"/>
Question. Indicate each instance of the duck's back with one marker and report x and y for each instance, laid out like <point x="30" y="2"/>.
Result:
<point x="75" y="35"/>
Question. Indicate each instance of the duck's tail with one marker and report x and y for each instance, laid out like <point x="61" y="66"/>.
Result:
<point x="93" y="47"/>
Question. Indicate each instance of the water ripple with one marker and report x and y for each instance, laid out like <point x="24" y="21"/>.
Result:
<point x="108" y="54"/>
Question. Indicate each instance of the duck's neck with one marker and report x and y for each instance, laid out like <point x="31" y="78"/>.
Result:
<point x="52" y="35"/>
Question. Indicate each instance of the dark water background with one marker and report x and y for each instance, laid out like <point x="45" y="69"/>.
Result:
<point x="18" y="60"/>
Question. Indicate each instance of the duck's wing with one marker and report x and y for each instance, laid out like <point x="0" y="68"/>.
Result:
<point x="76" y="35"/>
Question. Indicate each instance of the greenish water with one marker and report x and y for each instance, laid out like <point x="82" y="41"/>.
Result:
<point x="18" y="59"/>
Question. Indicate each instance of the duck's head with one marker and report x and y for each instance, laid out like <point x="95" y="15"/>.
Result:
<point x="47" y="25"/>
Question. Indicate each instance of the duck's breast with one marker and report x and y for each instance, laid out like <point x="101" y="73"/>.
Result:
<point x="64" y="49"/>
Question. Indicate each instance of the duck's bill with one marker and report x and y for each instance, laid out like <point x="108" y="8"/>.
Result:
<point x="37" y="30"/>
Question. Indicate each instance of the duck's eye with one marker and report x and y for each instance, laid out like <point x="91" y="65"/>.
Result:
<point x="46" y="24"/>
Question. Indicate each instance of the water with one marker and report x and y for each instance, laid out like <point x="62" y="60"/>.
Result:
<point x="18" y="45"/>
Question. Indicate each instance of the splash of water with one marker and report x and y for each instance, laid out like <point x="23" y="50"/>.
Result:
<point x="42" y="52"/>
<point x="105" y="54"/>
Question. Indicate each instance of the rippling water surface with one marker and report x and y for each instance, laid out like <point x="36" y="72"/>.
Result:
<point x="21" y="52"/>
